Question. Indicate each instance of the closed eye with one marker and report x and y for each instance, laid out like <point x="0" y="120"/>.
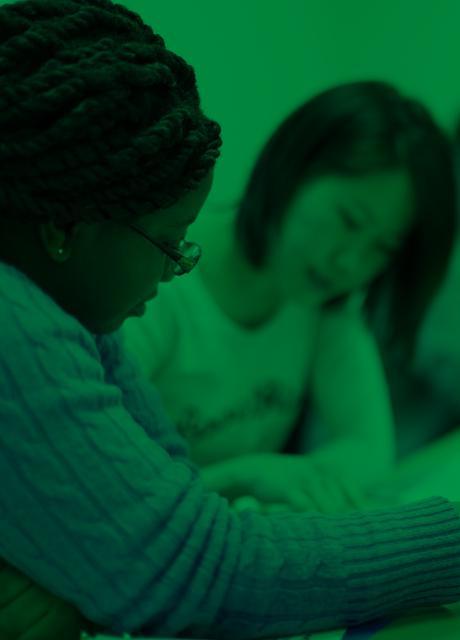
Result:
<point x="348" y="220"/>
<point x="352" y="225"/>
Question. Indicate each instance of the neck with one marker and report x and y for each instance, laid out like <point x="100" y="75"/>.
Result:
<point x="244" y="293"/>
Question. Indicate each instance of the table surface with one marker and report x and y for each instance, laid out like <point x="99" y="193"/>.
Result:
<point x="438" y="623"/>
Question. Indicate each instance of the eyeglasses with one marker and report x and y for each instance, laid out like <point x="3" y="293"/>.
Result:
<point x="185" y="256"/>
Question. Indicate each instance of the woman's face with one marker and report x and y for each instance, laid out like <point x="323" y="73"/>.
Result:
<point x="106" y="269"/>
<point x="339" y="233"/>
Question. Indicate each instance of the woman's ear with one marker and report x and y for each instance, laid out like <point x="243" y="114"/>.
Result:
<point x="57" y="239"/>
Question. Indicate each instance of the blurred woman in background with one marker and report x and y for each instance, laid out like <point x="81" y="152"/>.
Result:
<point x="349" y="211"/>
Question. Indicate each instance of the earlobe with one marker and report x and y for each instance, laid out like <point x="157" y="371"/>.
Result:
<point x="52" y="239"/>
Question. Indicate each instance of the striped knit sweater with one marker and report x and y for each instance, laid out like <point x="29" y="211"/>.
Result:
<point x="100" y="505"/>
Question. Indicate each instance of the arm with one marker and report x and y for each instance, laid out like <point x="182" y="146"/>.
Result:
<point x="97" y="512"/>
<point x="141" y="396"/>
<point x="351" y="399"/>
<point x="415" y="466"/>
<point x="29" y="612"/>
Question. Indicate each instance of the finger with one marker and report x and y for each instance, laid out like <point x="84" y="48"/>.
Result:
<point x="355" y="496"/>
<point x="383" y="498"/>
<point x="301" y="501"/>
<point x="24" y="612"/>
<point x="13" y="586"/>
<point x="347" y="494"/>
<point x="324" y="493"/>
<point x="62" y="621"/>
<point x="246" y="503"/>
<point x="276" y="508"/>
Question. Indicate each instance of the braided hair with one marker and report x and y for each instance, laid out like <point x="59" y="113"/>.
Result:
<point x="98" y="119"/>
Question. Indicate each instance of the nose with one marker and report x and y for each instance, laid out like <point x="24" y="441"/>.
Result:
<point x="347" y="263"/>
<point x="168" y="270"/>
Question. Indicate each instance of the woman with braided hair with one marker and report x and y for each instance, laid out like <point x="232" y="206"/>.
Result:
<point x="105" y="160"/>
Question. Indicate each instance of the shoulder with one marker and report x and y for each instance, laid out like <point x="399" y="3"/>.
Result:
<point x="42" y="346"/>
<point x="26" y="310"/>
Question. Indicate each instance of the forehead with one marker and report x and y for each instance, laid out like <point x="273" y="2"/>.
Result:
<point x="388" y="184"/>
<point x="388" y="194"/>
<point x="180" y="215"/>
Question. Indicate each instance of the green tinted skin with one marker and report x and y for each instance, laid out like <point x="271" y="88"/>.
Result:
<point x="106" y="269"/>
<point x="347" y="228"/>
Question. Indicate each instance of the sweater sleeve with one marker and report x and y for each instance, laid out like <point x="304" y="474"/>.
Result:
<point x="139" y="396"/>
<point x="96" y="510"/>
<point x="152" y="339"/>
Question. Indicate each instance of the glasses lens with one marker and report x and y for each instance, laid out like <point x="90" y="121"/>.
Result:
<point x="191" y="253"/>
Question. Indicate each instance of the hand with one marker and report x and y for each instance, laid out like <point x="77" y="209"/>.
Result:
<point x="249" y="503"/>
<point x="28" y="612"/>
<point x="290" y="480"/>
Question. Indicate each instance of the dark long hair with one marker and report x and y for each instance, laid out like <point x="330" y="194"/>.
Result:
<point x="98" y="119"/>
<point x="356" y="129"/>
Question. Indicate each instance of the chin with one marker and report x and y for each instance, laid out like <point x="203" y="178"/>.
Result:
<point x="108" y="327"/>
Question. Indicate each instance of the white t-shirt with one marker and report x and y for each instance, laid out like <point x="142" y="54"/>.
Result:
<point x="228" y="389"/>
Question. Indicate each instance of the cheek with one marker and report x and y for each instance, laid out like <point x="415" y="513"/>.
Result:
<point x="376" y="265"/>
<point x="146" y="272"/>
<point x="129" y="284"/>
<point x="289" y="275"/>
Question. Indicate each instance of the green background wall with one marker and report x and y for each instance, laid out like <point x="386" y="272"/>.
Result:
<point x="256" y="60"/>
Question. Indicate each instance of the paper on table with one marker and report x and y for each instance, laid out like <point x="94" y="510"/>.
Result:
<point x="337" y="634"/>
<point x="137" y="638"/>
<point x="127" y="637"/>
<point x="326" y="635"/>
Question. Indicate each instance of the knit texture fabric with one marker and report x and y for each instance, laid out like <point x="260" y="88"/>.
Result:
<point x="100" y="505"/>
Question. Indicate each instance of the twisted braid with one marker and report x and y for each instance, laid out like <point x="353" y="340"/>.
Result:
<point x="98" y="120"/>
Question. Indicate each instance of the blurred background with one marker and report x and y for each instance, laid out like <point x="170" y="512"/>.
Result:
<point x="256" y="61"/>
